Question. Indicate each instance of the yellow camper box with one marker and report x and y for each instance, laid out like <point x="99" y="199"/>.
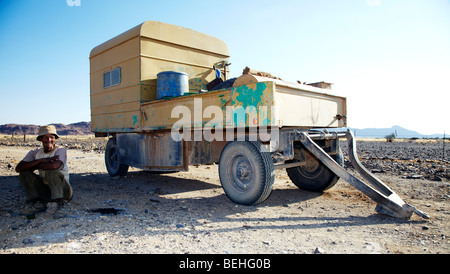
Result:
<point x="123" y="70"/>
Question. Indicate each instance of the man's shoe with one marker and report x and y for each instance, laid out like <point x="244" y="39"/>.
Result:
<point x="57" y="210"/>
<point x="35" y="206"/>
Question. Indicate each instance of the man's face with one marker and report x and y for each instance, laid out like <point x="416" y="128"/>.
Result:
<point x="48" y="141"/>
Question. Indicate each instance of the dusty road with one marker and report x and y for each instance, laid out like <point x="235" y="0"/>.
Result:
<point x="188" y="212"/>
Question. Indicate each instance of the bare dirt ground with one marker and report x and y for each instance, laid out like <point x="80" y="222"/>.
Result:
<point x="188" y="212"/>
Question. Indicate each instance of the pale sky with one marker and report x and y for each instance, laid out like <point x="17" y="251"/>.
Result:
<point x="390" y="58"/>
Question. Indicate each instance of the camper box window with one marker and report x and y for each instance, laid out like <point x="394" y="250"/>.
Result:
<point x="111" y="78"/>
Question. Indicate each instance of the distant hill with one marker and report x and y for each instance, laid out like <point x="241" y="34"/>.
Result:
<point x="397" y="130"/>
<point x="80" y="128"/>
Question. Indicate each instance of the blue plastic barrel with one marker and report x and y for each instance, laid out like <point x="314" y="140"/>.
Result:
<point x="171" y="84"/>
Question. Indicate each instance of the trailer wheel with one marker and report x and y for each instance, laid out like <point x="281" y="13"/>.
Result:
<point x="114" y="167"/>
<point x="246" y="173"/>
<point x="315" y="176"/>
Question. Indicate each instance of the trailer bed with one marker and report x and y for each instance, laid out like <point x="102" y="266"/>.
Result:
<point x="268" y="102"/>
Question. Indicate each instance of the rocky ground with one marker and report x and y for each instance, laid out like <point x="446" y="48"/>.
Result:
<point x="188" y="212"/>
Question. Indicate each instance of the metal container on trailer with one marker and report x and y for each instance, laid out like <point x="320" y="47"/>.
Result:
<point x="171" y="84"/>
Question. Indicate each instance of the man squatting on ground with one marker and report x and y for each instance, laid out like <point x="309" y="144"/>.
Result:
<point x="52" y="183"/>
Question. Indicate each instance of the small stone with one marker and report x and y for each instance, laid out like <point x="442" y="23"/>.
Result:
<point x="414" y="176"/>
<point x="319" y="250"/>
<point x="373" y="247"/>
<point x="28" y="241"/>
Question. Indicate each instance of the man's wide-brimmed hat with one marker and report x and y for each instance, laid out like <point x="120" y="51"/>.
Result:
<point x="44" y="130"/>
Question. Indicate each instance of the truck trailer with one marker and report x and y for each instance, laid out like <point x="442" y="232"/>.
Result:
<point x="162" y="95"/>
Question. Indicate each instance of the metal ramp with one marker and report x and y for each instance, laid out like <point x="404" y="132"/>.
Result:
<point x="388" y="202"/>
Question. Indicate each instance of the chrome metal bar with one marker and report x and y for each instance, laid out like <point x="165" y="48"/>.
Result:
<point x="327" y="136"/>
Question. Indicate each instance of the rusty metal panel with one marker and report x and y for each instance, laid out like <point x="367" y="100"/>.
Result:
<point x="265" y="103"/>
<point x="164" y="151"/>
<point x="204" y="152"/>
<point x="153" y="151"/>
<point x="132" y="149"/>
<point x="300" y="105"/>
<point x="255" y="101"/>
<point x="243" y="106"/>
<point x="158" y="114"/>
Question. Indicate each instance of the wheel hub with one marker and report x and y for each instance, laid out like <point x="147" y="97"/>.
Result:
<point x="241" y="172"/>
<point x="312" y="164"/>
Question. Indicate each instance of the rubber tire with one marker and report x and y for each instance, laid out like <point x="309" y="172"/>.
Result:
<point x="257" y="185"/>
<point x="114" y="167"/>
<point x="317" y="180"/>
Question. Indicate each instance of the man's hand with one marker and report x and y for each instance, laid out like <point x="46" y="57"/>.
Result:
<point x="51" y="163"/>
<point x="50" y="160"/>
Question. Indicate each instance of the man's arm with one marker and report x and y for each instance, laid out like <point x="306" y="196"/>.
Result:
<point x="45" y="164"/>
